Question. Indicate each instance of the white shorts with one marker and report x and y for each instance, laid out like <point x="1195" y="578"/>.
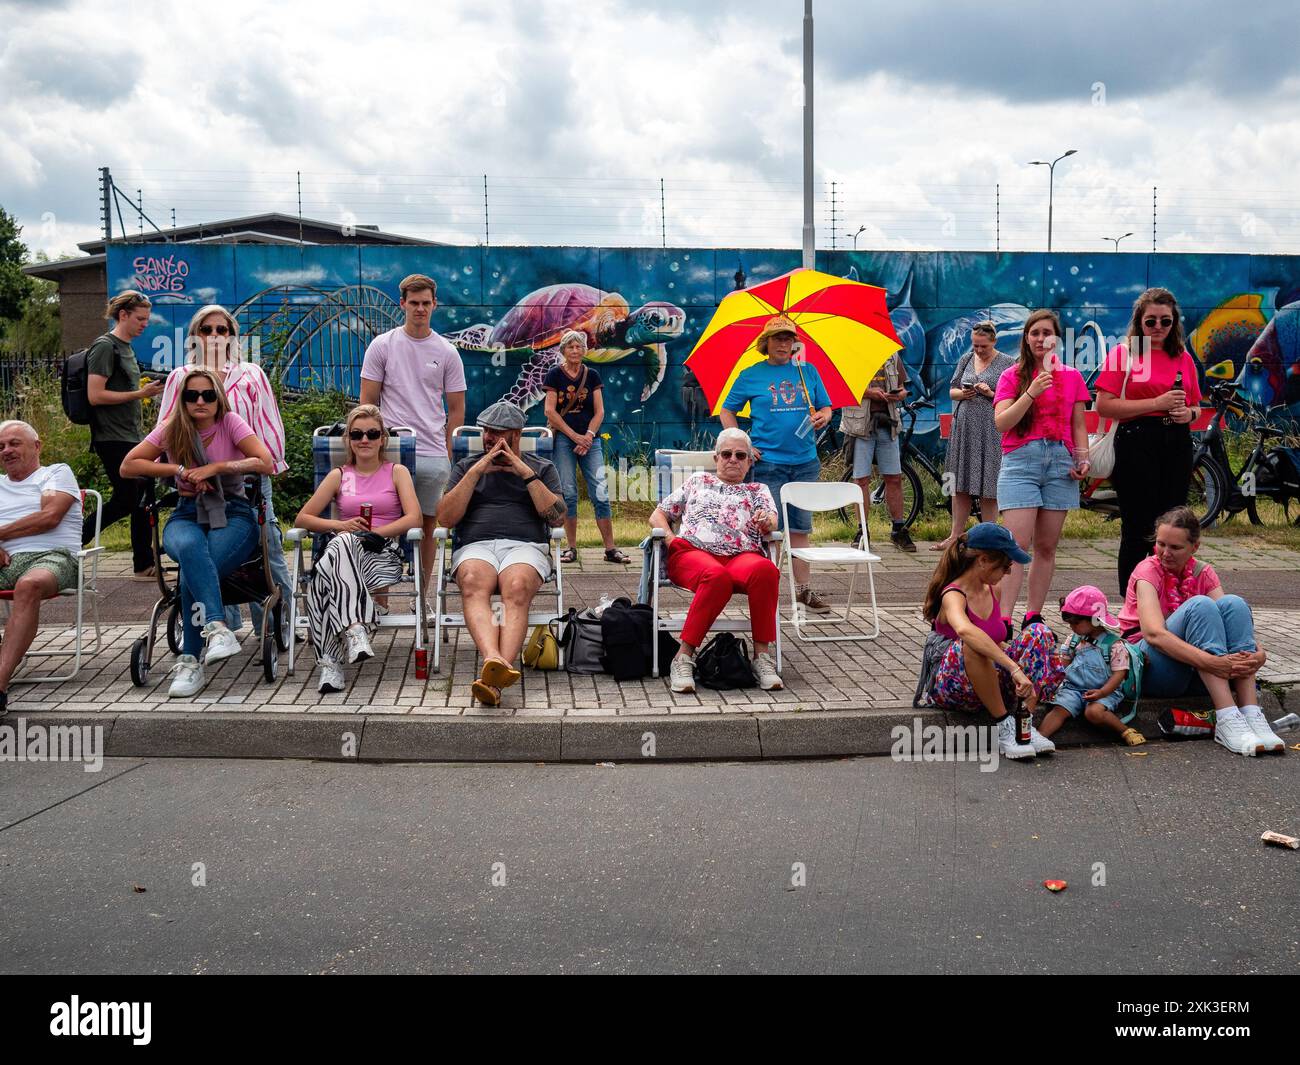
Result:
<point x="503" y="553"/>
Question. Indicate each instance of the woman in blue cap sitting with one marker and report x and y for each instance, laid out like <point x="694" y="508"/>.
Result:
<point x="965" y="666"/>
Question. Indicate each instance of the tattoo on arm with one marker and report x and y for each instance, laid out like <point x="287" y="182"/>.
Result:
<point x="556" y="513"/>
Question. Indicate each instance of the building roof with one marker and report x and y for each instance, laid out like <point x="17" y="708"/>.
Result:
<point x="250" y="229"/>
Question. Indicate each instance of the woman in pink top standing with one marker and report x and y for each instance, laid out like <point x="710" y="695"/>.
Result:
<point x="1039" y="410"/>
<point x="363" y="554"/>
<point x="1175" y="610"/>
<point x="213" y="344"/>
<point x="1153" y="444"/>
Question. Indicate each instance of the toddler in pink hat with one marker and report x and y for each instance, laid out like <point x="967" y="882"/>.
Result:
<point x="1102" y="672"/>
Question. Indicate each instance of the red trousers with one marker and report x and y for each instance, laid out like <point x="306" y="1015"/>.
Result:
<point x="713" y="579"/>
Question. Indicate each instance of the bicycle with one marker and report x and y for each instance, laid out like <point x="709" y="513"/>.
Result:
<point x="1265" y="486"/>
<point x="916" y="494"/>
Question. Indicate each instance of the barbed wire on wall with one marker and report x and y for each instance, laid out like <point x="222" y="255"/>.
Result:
<point x="642" y="212"/>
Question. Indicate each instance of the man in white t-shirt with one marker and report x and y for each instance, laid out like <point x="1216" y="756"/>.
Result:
<point x="410" y="373"/>
<point x="40" y="535"/>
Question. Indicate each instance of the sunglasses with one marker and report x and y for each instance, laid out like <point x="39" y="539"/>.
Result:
<point x="1151" y="323"/>
<point x="364" y="434"/>
<point x="193" y="395"/>
<point x="741" y="455"/>
<point x="220" y="330"/>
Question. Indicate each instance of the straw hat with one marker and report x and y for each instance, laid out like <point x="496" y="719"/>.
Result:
<point x="779" y="324"/>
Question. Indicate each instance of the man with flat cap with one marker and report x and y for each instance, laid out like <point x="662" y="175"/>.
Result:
<point x="500" y="507"/>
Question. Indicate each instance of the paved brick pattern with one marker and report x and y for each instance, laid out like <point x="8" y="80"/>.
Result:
<point x="845" y="676"/>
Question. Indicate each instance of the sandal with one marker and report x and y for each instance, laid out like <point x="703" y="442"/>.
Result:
<point x="497" y="674"/>
<point x="486" y="694"/>
<point x="613" y="554"/>
<point x="569" y="556"/>
<point x="1133" y="737"/>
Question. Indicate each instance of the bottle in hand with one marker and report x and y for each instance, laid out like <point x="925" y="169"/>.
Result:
<point x="1023" y="721"/>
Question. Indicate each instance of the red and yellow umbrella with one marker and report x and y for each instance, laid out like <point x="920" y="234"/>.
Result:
<point x="843" y="325"/>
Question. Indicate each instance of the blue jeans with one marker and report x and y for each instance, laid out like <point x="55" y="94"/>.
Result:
<point x="1219" y="626"/>
<point x="204" y="557"/>
<point x="775" y="475"/>
<point x="279" y="569"/>
<point x="593" y="469"/>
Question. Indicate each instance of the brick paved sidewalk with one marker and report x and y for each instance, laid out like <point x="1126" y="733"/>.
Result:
<point x="847" y="676"/>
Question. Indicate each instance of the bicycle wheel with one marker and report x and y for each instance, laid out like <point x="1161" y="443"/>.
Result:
<point x="1207" y="490"/>
<point x="913" y="495"/>
<point x="1272" y="510"/>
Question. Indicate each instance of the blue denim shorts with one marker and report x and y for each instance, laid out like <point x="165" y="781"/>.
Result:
<point x="879" y="447"/>
<point x="1037" y="476"/>
<point x="775" y="475"/>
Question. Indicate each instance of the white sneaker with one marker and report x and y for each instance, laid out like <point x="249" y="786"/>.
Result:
<point x="1263" y="732"/>
<point x="189" y="678"/>
<point x="331" y="676"/>
<point x="1232" y="730"/>
<point x="681" y="674"/>
<point x="358" y="644"/>
<point x="1040" y="743"/>
<point x="221" y="643"/>
<point x="1008" y="745"/>
<point x="768" y="678"/>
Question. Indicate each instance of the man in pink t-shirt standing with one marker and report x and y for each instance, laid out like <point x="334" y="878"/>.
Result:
<point x="418" y="380"/>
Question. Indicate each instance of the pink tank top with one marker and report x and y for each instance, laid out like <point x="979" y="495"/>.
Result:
<point x="377" y="489"/>
<point x="992" y="625"/>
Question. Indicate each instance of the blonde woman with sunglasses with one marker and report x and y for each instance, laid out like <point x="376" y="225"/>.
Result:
<point x="213" y="343"/>
<point x="377" y="505"/>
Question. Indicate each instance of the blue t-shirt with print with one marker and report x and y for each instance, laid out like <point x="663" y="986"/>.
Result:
<point x="778" y="407"/>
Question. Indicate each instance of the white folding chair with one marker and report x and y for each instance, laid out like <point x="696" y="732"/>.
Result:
<point x="468" y="440"/>
<point x="672" y="468"/>
<point x="328" y="452"/>
<point x="817" y="496"/>
<point x="87" y="582"/>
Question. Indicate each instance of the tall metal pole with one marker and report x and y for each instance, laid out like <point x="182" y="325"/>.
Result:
<point x="809" y="232"/>
<point x="1051" y="185"/>
<point x="106" y="188"/>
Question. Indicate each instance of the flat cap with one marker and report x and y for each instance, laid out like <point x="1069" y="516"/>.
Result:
<point x="501" y="415"/>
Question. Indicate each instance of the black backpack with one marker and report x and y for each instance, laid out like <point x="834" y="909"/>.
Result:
<point x="723" y="664"/>
<point x="73" y="387"/>
<point x="626" y="629"/>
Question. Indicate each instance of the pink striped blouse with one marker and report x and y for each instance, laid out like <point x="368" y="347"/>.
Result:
<point x="250" y="396"/>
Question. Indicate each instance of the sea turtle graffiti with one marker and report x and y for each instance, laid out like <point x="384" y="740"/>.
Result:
<point x="532" y="328"/>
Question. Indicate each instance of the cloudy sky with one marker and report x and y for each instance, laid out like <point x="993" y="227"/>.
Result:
<point x="927" y="115"/>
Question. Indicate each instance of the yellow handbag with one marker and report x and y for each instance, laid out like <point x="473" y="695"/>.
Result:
<point x="543" y="650"/>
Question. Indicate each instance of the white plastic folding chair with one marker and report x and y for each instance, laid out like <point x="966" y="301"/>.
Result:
<point x="818" y="496"/>
<point x="328" y="452"/>
<point x="672" y="468"/>
<point x="468" y="440"/>
<point x="87" y="585"/>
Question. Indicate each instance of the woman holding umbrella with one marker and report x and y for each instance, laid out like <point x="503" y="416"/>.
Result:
<point x="789" y="404"/>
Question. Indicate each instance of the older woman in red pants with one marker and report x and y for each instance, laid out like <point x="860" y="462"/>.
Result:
<point x="719" y="550"/>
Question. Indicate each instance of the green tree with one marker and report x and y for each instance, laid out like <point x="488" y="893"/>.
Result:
<point x="15" y="286"/>
<point x="37" y="330"/>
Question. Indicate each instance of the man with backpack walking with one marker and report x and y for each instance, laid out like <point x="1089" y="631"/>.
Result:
<point x="115" y="395"/>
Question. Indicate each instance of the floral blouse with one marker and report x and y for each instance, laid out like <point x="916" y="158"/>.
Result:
<point x="716" y="516"/>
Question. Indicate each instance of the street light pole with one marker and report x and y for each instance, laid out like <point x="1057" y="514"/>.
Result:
<point x="1051" y="181"/>
<point x="861" y="229"/>
<point x="1117" y="239"/>
<point x="809" y="232"/>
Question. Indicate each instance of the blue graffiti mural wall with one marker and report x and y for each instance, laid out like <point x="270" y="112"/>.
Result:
<point x="316" y="308"/>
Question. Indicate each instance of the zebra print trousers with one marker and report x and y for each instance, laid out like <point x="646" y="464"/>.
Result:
<point x="338" y="596"/>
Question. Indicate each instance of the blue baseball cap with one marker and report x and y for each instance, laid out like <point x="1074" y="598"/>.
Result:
<point x="989" y="536"/>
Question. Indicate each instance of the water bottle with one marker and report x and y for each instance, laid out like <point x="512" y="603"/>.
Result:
<point x="1286" y="724"/>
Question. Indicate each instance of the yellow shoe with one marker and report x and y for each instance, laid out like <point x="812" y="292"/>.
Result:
<point x="1133" y="737"/>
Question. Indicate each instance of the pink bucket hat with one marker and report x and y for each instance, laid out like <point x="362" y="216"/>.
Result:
<point x="1090" y="602"/>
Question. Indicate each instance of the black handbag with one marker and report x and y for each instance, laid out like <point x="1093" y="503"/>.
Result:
<point x="580" y="636"/>
<point x="723" y="664"/>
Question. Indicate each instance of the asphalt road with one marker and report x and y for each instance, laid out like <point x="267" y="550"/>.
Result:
<point x="318" y="868"/>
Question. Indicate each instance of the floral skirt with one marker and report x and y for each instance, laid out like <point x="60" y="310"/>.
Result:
<point x="1033" y="650"/>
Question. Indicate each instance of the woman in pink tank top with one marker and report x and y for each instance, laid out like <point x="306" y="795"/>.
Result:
<point x="964" y="666"/>
<point x="376" y="504"/>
